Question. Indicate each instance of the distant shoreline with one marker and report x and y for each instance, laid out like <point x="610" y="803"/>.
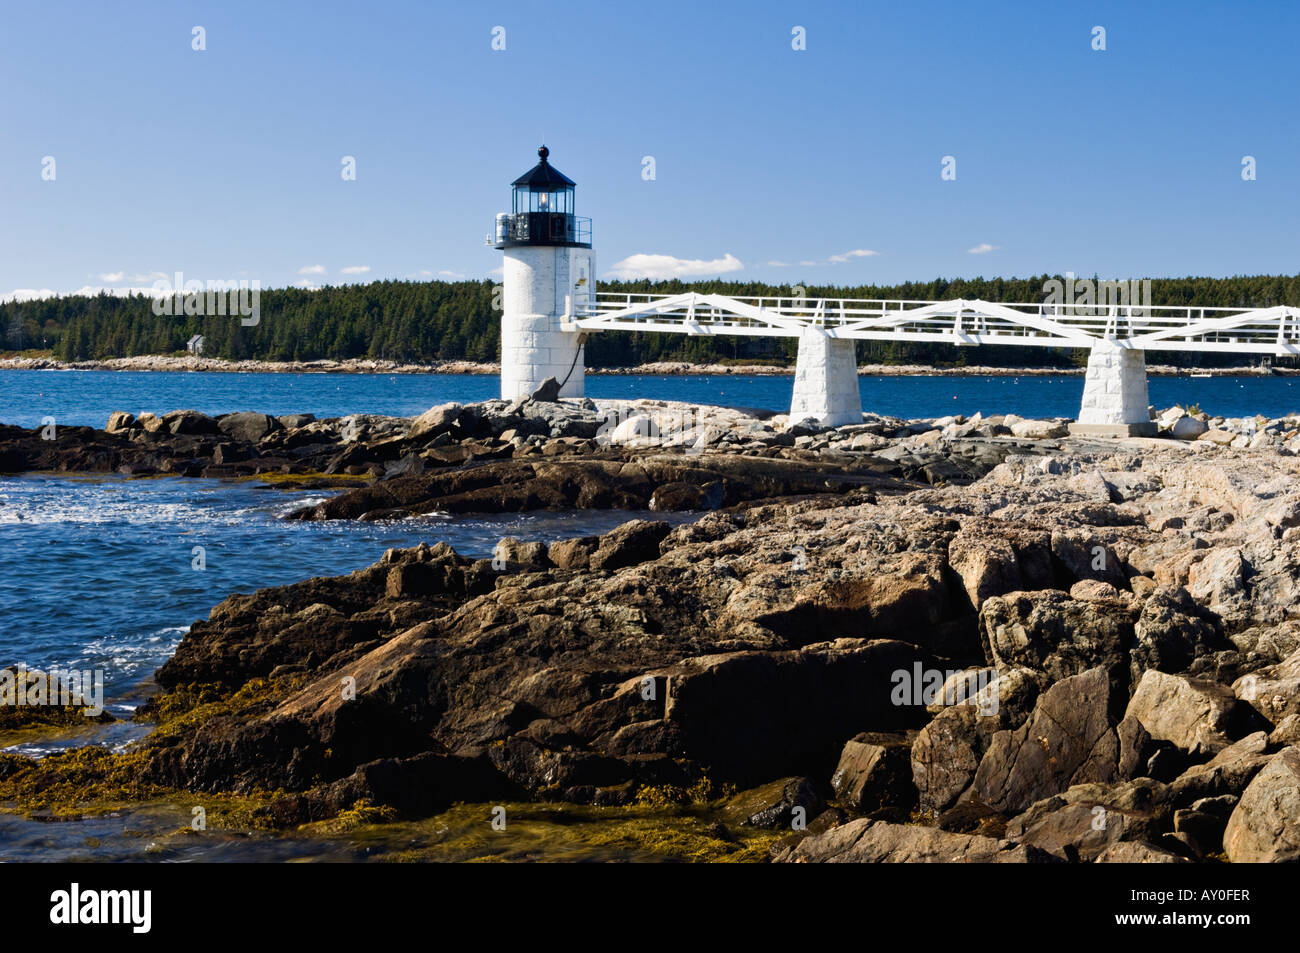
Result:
<point x="163" y="363"/>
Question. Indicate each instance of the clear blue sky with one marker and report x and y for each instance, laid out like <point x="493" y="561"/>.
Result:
<point x="226" y="163"/>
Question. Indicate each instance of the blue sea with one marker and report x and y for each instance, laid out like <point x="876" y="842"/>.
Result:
<point x="87" y="397"/>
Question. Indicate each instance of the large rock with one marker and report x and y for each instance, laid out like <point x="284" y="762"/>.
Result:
<point x="1069" y="739"/>
<point x="1224" y="775"/>
<point x="1051" y="633"/>
<point x="1084" y="821"/>
<point x="119" y="420"/>
<point x="435" y="421"/>
<point x="878" y="842"/>
<point x="1273" y="691"/>
<point x="1172" y="632"/>
<point x="1136" y="852"/>
<point x="629" y="544"/>
<point x="247" y="427"/>
<point x="188" y="422"/>
<point x="993" y="563"/>
<point x="875" y="774"/>
<point x="779" y="804"/>
<point x="1218" y="578"/>
<point x="1200" y="717"/>
<point x="1188" y="428"/>
<point x="1039" y="429"/>
<point x="1265" y="827"/>
<point x="548" y="392"/>
<point x="947" y="751"/>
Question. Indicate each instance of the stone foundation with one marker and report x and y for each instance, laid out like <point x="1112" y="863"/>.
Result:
<point x="1115" y="399"/>
<point x="826" y="380"/>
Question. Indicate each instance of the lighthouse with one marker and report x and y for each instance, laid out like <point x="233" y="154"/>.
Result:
<point x="549" y="276"/>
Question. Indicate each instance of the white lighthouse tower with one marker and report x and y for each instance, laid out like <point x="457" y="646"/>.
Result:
<point x="549" y="276"/>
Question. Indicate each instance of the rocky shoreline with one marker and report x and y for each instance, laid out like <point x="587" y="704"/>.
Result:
<point x="945" y="640"/>
<point x="175" y="363"/>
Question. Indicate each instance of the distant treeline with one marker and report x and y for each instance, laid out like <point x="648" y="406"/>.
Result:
<point x="421" y="322"/>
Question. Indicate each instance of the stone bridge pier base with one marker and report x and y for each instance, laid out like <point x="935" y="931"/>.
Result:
<point x="826" y="380"/>
<point x="1115" y="394"/>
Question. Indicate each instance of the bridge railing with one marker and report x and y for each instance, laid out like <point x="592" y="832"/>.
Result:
<point x="968" y="321"/>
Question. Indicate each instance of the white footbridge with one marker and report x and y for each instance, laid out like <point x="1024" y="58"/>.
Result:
<point x="826" y="381"/>
<point x="550" y="305"/>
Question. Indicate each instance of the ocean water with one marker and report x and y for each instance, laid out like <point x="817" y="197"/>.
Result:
<point x="87" y="397"/>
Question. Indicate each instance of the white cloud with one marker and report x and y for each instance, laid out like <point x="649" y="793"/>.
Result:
<point x="306" y="284"/>
<point x="35" y="294"/>
<point x="450" y="274"/>
<point x="983" y="248"/>
<point x="311" y="270"/>
<point x="666" y="266"/>
<point x="113" y="277"/>
<point x="356" y="269"/>
<point x="855" y="253"/>
<point x="807" y="263"/>
<point x="778" y="264"/>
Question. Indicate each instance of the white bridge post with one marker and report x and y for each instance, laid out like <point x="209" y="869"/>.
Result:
<point x="826" y="380"/>
<point x="1115" y="402"/>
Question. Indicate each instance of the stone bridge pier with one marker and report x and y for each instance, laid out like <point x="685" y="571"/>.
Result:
<point x="826" y="380"/>
<point x="1115" y="402"/>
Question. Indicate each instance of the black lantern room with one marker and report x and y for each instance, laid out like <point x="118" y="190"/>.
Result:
<point x="542" y="210"/>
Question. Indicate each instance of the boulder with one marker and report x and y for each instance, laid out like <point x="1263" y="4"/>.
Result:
<point x="1172" y="631"/>
<point x="247" y="427"/>
<point x="1219" y="577"/>
<point x="513" y="555"/>
<point x="1223" y="438"/>
<point x="875" y="774"/>
<point x="1039" y="429"/>
<point x="1265" y="826"/>
<point x="777" y="805"/>
<point x="1196" y="715"/>
<point x="434" y="422"/>
<point x="945" y="756"/>
<point x="188" y="422"/>
<point x="1287" y="732"/>
<point x="947" y="751"/>
<point x="1069" y="739"/>
<point x="1051" y="633"/>
<point x="1274" y="691"/>
<point x="678" y="497"/>
<point x="1188" y="428"/>
<point x="118" y="421"/>
<point x="875" y="842"/>
<point x="573" y="553"/>
<point x="1136" y="852"/>
<point x="1224" y="775"/>
<point x="1085" y="820"/>
<point x="633" y="542"/>
<point x="993" y="563"/>
<point x="547" y="392"/>
<point x="295" y="421"/>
